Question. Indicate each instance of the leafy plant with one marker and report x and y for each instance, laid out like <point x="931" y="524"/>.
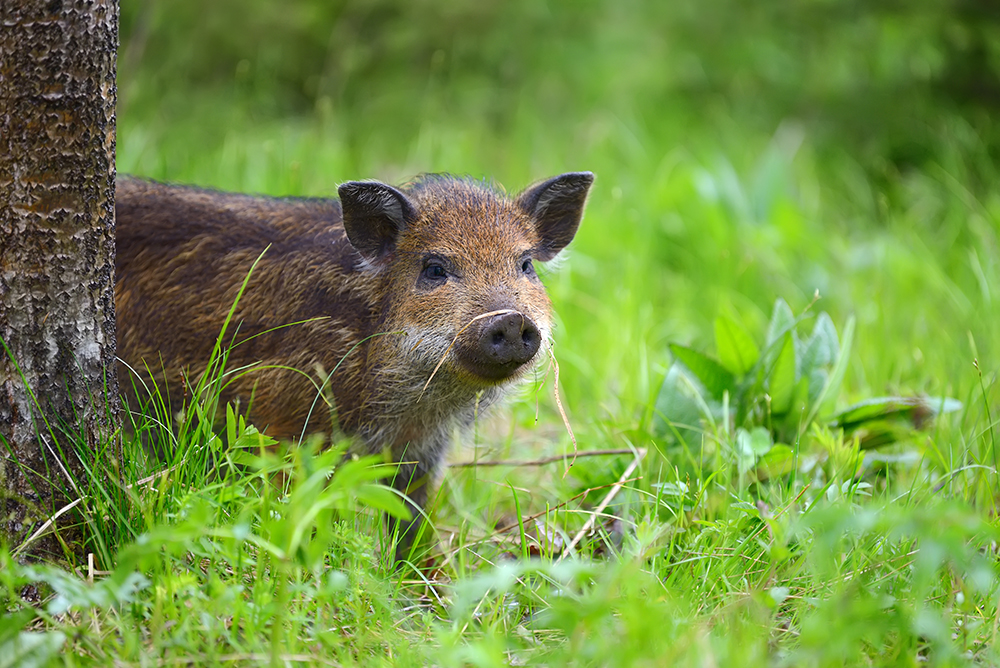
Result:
<point x="768" y="396"/>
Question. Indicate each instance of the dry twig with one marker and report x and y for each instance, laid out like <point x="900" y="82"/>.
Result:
<point x="544" y="460"/>
<point x="604" y="504"/>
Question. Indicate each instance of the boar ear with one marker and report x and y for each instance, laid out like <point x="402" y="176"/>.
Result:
<point x="374" y="215"/>
<point x="556" y="206"/>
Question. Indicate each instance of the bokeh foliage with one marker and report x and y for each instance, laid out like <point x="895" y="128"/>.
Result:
<point x="877" y="73"/>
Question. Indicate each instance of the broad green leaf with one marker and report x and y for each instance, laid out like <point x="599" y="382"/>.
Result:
<point x="877" y="433"/>
<point x="821" y="350"/>
<point x="12" y="623"/>
<point x="800" y="400"/>
<point x="28" y="650"/>
<point x="382" y="498"/>
<point x="782" y="321"/>
<point x="913" y="410"/>
<point x="755" y="442"/>
<point x="715" y="378"/>
<point x="680" y="406"/>
<point x="877" y="408"/>
<point x="246" y="457"/>
<point x="252" y="439"/>
<point x="737" y="351"/>
<point x="817" y="379"/>
<point x="779" y="594"/>
<point x="827" y="399"/>
<point x="746" y="507"/>
<point x="750" y="446"/>
<point x="74" y="592"/>
<point x="778" y="461"/>
<point x="781" y="382"/>
<point x="822" y="346"/>
<point x="942" y="405"/>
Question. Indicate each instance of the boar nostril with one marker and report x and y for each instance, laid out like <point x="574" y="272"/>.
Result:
<point x="509" y="341"/>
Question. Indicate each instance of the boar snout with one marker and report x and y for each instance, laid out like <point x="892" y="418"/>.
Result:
<point x="510" y="340"/>
<point x="501" y="346"/>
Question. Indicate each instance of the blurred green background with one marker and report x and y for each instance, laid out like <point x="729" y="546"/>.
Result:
<point x="878" y="75"/>
<point x="744" y="152"/>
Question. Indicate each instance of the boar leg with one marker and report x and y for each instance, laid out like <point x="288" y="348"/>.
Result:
<point x="413" y="480"/>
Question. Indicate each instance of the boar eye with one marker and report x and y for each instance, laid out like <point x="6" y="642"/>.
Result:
<point x="434" y="272"/>
<point x="527" y="267"/>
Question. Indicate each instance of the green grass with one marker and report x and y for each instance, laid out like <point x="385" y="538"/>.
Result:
<point x="852" y="558"/>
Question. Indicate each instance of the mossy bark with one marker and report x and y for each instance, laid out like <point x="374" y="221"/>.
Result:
<point x="58" y="393"/>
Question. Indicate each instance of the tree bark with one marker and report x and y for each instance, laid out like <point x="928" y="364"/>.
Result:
<point x="58" y="394"/>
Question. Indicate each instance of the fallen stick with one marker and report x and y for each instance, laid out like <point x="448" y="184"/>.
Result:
<point x="546" y="460"/>
<point x="612" y="493"/>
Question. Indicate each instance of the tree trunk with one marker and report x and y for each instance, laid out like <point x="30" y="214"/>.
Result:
<point x="58" y="394"/>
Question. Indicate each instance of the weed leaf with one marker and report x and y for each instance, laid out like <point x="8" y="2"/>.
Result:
<point x="828" y="397"/>
<point x="782" y="321"/>
<point x="912" y="410"/>
<point x="822" y="347"/>
<point x="751" y="445"/>
<point x="777" y="461"/>
<point x="781" y="381"/>
<point x="12" y="623"/>
<point x="737" y="351"/>
<point x="821" y="351"/>
<point x="712" y="375"/>
<point x="29" y="650"/>
<point x="680" y="406"/>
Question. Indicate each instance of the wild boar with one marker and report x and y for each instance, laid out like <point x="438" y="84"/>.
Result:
<point x="420" y="303"/>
